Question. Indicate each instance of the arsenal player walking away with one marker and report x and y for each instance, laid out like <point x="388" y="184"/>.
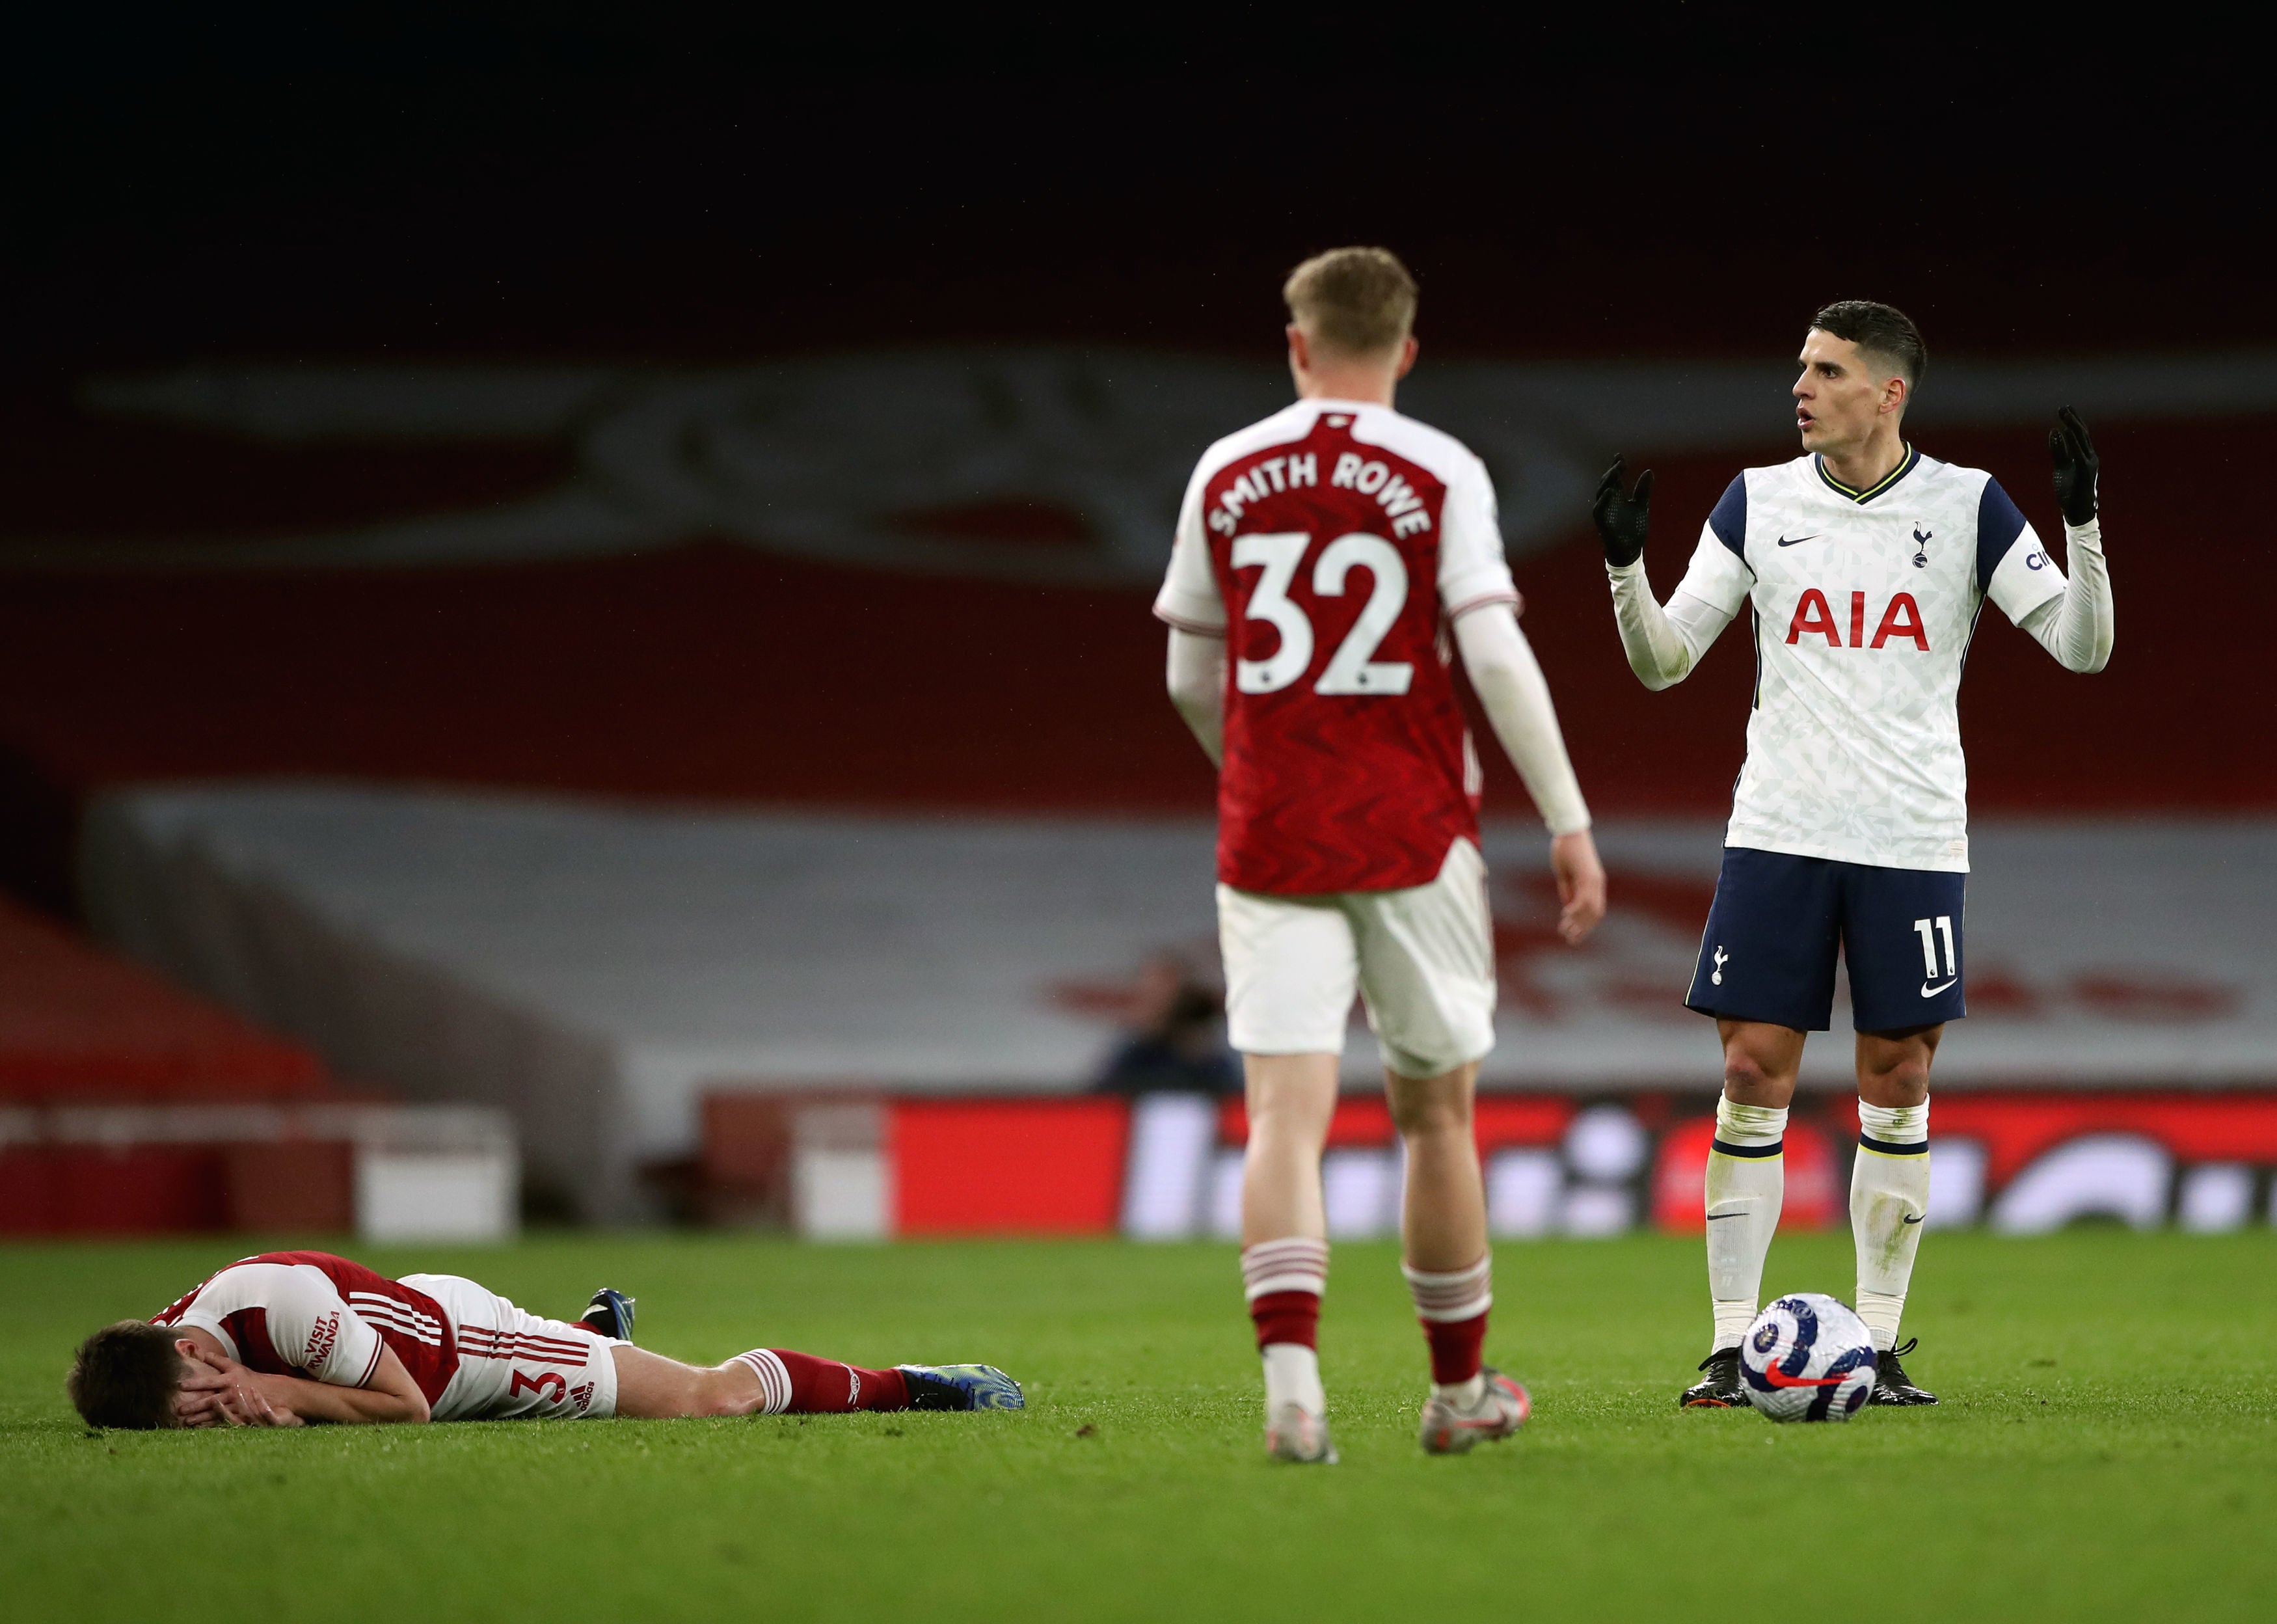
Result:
<point x="1321" y="560"/>
<point x="289" y="1337"/>
<point x="1863" y="566"/>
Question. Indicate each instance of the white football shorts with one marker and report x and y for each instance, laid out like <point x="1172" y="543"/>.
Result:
<point x="1421" y="959"/>
<point x="515" y="1365"/>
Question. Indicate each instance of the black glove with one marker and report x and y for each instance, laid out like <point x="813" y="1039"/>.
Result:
<point x="1622" y="515"/>
<point x="2077" y="467"/>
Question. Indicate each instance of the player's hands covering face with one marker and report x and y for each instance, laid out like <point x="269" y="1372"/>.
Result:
<point x="218" y="1391"/>
<point x="1622" y="515"/>
<point x="2077" y="468"/>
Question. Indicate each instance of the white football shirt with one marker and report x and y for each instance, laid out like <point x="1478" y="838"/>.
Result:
<point x="1862" y="604"/>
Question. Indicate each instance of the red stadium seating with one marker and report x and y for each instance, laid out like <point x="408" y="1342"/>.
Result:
<point x="99" y="1056"/>
<point x="81" y="1026"/>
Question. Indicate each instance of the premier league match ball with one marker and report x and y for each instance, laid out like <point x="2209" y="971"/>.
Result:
<point x="1807" y="1358"/>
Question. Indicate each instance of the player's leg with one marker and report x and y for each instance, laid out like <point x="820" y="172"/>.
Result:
<point x="1903" y="938"/>
<point x="1284" y="1248"/>
<point x="1444" y="1255"/>
<point x="1290" y="975"/>
<point x="1743" y="1190"/>
<point x="1766" y="973"/>
<point x="1889" y="1191"/>
<point x="1426" y="971"/>
<point x="782" y="1382"/>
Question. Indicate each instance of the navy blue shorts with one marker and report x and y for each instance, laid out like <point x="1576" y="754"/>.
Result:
<point x="1768" y="953"/>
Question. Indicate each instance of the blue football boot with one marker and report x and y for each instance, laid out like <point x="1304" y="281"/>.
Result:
<point x="961" y="1387"/>
<point x="611" y="1313"/>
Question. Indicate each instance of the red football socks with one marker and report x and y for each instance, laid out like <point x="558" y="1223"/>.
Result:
<point x="801" y="1385"/>
<point x="1452" y="1307"/>
<point x="1283" y="1280"/>
<point x="1287" y="1317"/>
<point x="1457" y="1348"/>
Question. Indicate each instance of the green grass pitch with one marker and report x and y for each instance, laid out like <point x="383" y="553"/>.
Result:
<point x="2106" y="1450"/>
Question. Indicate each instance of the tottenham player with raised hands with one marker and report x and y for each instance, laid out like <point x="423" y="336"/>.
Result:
<point x="1863" y="564"/>
<point x="1320" y="559"/>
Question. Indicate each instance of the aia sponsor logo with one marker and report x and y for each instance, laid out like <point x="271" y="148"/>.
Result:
<point x="1900" y="621"/>
<point x="322" y="1340"/>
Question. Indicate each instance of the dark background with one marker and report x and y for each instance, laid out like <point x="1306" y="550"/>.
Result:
<point x="1659" y="180"/>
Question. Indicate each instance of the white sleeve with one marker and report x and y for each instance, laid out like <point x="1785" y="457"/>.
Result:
<point x="297" y="1311"/>
<point x="1472" y="571"/>
<point x="1663" y="645"/>
<point x="1516" y="698"/>
<point x="1195" y="674"/>
<point x="1190" y="600"/>
<point x="1717" y="577"/>
<point x="2077" y="625"/>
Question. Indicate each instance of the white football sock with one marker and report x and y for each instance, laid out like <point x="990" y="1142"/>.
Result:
<point x="1889" y="1198"/>
<point x="1747" y="1180"/>
<point x="1465" y="1395"/>
<point x="1284" y="1281"/>
<point x="1292" y="1376"/>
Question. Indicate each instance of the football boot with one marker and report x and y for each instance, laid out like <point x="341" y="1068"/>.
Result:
<point x="1891" y="1383"/>
<point x="610" y="1314"/>
<point x="1294" y="1433"/>
<point x="1451" y="1428"/>
<point x="961" y="1387"/>
<point x="1721" y="1388"/>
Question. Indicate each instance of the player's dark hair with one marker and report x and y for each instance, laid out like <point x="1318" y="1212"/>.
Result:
<point x="126" y="1376"/>
<point x="1880" y="330"/>
<point x="1358" y="300"/>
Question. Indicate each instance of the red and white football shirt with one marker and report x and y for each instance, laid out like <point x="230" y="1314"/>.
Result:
<point x="321" y="1317"/>
<point x="1328" y="544"/>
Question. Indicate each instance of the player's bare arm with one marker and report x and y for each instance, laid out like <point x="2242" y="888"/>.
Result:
<point x="216" y="1390"/>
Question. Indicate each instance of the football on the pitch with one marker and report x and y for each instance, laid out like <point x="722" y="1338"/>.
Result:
<point x="1807" y="1358"/>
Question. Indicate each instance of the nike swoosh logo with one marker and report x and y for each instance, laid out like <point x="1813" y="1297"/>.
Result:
<point x="1930" y="992"/>
<point x="1903" y="1219"/>
<point x="1799" y="540"/>
<point x="1778" y="1378"/>
<point x="1714" y="1216"/>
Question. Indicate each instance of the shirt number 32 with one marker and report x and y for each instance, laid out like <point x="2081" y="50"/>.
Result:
<point x="1351" y="669"/>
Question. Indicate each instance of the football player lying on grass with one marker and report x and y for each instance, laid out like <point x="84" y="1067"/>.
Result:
<point x="289" y="1337"/>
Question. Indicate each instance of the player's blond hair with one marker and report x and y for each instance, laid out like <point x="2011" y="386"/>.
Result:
<point x="1357" y="301"/>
